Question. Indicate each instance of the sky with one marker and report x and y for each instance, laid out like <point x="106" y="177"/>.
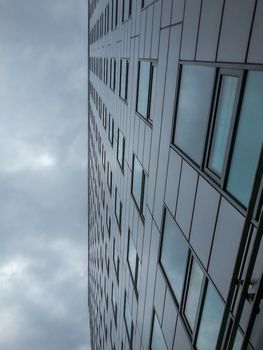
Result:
<point x="43" y="175"/>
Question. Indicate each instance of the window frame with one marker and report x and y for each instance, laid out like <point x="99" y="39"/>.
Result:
<point x="135" y="278"/>
<point x="120" y="161"/>
<point x="119" y="220"/>
<point x="122" y="60"/>
<point x="153" y="65"/>
<point x="140" y="206"/>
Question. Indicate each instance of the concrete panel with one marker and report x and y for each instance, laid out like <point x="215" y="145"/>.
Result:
<point x="186" y="198"/>
<point x="156" y="29"/>
<point x="227" y="236"/>
<point x="190" y="29"/>
<point x="173" y="177"/>
<point x="255" y="53"/>
<point x="166" y="13"/>
<point x="209" y="30"/>
<point x="204" y="219"/>
<point x="236" y="23"/>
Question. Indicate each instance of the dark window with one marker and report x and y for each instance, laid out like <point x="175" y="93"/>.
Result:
<point x="126" y="9"/>
<point x="114" y="303"/>
<point x="109" y="177"/>
<point x="174" y="255"/>
<point x="248" y="140"/>
<point x="124" y="72"/>
<point x="116" y="260"/>
<point x="111" y="129"/>
<point x="157" y="342"/>
<point x="116" y="12"/>
<point x="112" y="73"/>
<point x="128" y="319"/>
<point x="193" y="109"/>
<point x="146" y="80"/>
<point x="138" y="178"/>
<point x="118" y="208"/>
<point x="120" y="149"/>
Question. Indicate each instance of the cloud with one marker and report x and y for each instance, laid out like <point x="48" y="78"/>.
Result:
<point x="43" y="187"/>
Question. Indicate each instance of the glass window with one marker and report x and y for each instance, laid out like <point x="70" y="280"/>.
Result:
<point x="143" y="88"/>
<point x="174" y="255"/>
<point x="193" y="293"/>
<point x="138" y="183"/>
<point x="146" y="2"/>
<point x="193" y="109"/>
<point x="111" y="129"/>
<point x="128" y="319"/>
<point x="112" y="73"/>
<point x="157" y="342"/>
<point x="132" y="259"/>
<point x="126" y="9"/>
<point x="118" y="208"/>
<point x="248" y="140"/>
<point x="120" y="148"/>
<point x="124" y="69"/>
<point x="210" y="320"/>
<point x="224" y="113"/>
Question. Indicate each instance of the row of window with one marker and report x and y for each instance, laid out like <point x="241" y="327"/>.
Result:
<point x="105" y="70"/>
<point x="221" y="128"/>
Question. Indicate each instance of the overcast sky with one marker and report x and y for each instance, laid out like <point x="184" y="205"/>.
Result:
<point x="43" y="188"/>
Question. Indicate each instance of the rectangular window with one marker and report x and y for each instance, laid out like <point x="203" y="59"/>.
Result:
<point x="112" y="73"/>
<point x="116" y="260"/>
<point x="128" y="320"/>
<point x="104" y="116"/>
<point x="146" y="75"/>
<point x="157" y="341"/>
<point x="248" y="140"/>
<point x="210" y="320"/>
<point x="118" y="208"/>
<point x="116" y="12"/>
<point x="120" y="149"/>
<point x="193" y="109"/>
<point x="124" y="72"/>
<point x="133" y="260"/>
<point x="174" y="254"/>
<point x="194" y="291"/>
<point x="114" y="303"/>
<point x="138" y="179"/>
<point x="111" y="129"/>
<point x="109" y="177"/>
<point x="126" y="9"/>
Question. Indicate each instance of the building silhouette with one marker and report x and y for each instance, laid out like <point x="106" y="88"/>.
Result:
<point x="175" y="174"/>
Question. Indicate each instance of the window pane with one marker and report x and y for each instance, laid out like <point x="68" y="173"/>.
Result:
<point x="137" y="182"/>
<point x="158" y="341"/>
<point x="143" y="87"/>
<point x="128" y="318"/>
<point x="174" y="255"/>
<point x="123" y="70"/>
<point x="194" y="291"/>
<point x="248" y="141"/>
<point x="132" y="257"/>
<point x="224" y="114"/>
<point x="211" y="320"/>
<point x="193" y="110"/>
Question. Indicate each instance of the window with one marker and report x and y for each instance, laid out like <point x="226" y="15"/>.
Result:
<point x="108" y="220"/>
<point x="146" y="78"/>
<point x="248" y="140"/>
<point x="210" y="320"/>
<point x="112" y="73"/>
<point x="104" y="116"/>
<point x="193" y="293"/>
<point x="225" y="106"/>
<point x="193" y="109"/>
<point x="138" y="178"/>
<point x="114" y="303"/>
<point x="109" y="177"/>
<point x="124" y="72"/>
<point x="133" y="260"/>
<point x="111" y="129"/>
<point x="157" y="341"/>
<point x="174" y="255"/>
<point x="118" y="208"/>
<point x="120" y="149"/>
<point x="116" y="12"/>
<point x="126" y="9"/>
<point x="128" y="319"/>
<point x="116" y="260"/>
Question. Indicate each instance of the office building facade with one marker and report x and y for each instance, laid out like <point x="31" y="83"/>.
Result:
<point x="175" y="174"/>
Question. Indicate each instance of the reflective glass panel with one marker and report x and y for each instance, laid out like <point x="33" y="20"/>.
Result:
<point x="128" y="318"/>
<point x="123" y="80"/>
<point x="174" y="255"/>
<point x="132" y="257"/>
<point x="143" y="88"/>
<point x="210" y="321"/>
<point x="137" y="182"/>
<point x="224" y="115"/>
<point x="248" y="140"/>
<point x="158" y="342"/>
<point x="194" y="292"/>
<point x="193" y="109"/>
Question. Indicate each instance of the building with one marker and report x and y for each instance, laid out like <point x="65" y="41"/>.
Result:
<point x="175" y="135"/>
